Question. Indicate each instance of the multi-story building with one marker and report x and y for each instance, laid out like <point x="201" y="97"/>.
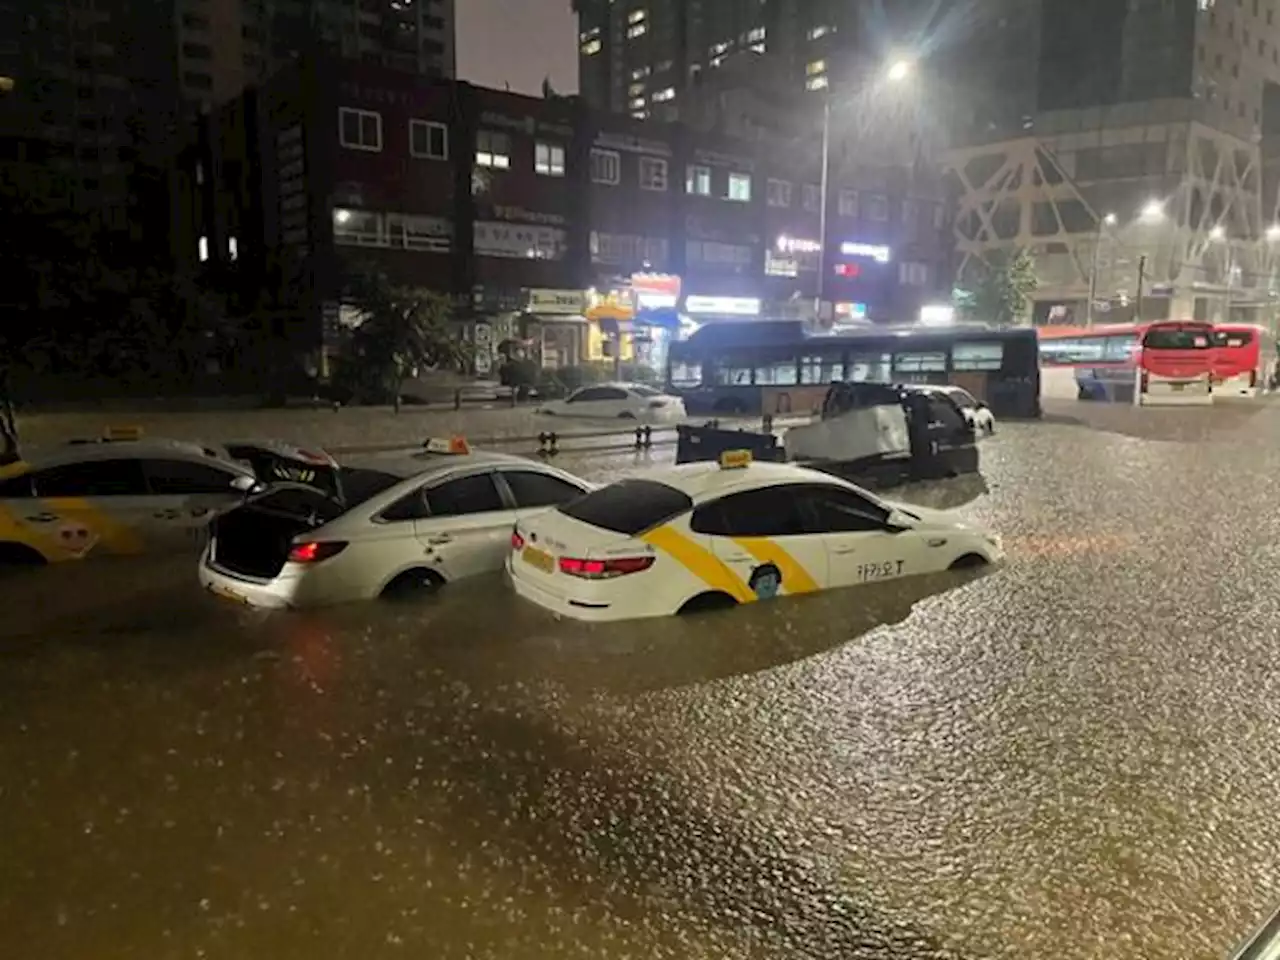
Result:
<point x="488" y="195"/>
<point x="1146" y="153"/>
<point x="93" y="89"/>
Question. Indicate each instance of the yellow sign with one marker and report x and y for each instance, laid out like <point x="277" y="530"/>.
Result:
<point x="735" y="459"/>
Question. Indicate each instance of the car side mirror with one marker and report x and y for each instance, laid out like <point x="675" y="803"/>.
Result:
<point x="246" y="485"/>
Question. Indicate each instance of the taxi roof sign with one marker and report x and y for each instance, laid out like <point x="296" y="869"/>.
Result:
<point x="735" y="459"/>
<point x="456" y="445"/>
<point x="123" y="433"/>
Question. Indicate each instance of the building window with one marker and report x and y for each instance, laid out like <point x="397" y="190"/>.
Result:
<point x="739" y="188"/>
<point x="815" y="67"/>
<point x="653" y="173"/>
<point x="662" y="96"/>
<point x="910" y="212"/>
<point x="816" y="83"/>
<point x="637" y="16"/>
<point x="416" y="232"/>
<point x="493" y="149"/>
<point x="877" y="207"/>
<point x="233" y="248"/>
<point x="820" y="31"/>
<point x="591" y="47"/>
<point x="812" y="197"/>
<point x="778" y="193"/>
<point x="359" y="129"/>
<point x="606" y="167"/>
<point x="847" y="201"/>
<point x="358" y="228"/>
<point x="639" y="73"/>
<point x="697" y="181"/>
<point x="428" y="139"/>
<point x="913" y="274"/>
<point x="548" y="159"/>
<point x="202" y="249"/>
<point x="637" y="30"/>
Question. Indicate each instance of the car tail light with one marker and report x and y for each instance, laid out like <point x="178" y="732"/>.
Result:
<point x="517" y="541"/>
<point x="313" y="551"/>
<point x="604" y="569"/>
<point x="656" y="404"/>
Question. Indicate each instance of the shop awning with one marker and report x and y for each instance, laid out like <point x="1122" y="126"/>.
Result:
<point x="667" y="318"/>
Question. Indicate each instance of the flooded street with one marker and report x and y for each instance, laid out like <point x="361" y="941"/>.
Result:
<point x="1075" y="756"/>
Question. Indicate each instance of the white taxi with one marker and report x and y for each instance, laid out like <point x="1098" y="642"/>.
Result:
<point x="392" y="526"/>
<point x="704" y="536"/>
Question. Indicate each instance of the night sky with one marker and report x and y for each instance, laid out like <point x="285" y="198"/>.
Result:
<point x="518" y="42"/>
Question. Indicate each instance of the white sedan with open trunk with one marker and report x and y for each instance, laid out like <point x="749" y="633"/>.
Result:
<point x="396" y="526"/>
<point x="704" y="536"/>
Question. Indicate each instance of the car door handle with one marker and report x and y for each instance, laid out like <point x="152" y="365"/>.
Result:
<point x="845" y="551"/>
<point x="441" y="538"/>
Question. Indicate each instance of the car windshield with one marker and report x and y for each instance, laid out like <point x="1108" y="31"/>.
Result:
<point x="1177" y="338"/>
<point x="963" y="398"/>
<point x="629" y="506"/>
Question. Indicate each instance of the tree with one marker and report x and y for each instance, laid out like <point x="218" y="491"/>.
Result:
<point x="398" y="331"/>
<point x="998" y="290"/>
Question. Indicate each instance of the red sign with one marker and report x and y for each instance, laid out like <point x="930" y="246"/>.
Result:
<point x="848" y="270"/>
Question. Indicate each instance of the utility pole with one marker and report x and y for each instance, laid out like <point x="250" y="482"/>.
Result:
<point x="1137" y="303"/>
<point x="824" y="187"/>
<point x="1093" y="277"/>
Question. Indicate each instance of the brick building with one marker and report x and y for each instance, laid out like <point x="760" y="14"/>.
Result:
<point x="512" y="203"/>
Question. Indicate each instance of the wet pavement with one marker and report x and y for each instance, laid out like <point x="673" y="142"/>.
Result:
<point x="1075" y="756"/>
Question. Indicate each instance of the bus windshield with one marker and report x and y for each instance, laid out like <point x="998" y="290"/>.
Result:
<point x="1178" y="338"/>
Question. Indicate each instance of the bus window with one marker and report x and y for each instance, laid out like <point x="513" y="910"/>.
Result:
<point x="780" y="373"/>
<point x="686" y="374"/>
<point x="919" y="363"/>
<point x="869" y="368"/>
<point x="977" y="356"/>
<point x="826" y="369"/>
<point x="1173" y="338"/>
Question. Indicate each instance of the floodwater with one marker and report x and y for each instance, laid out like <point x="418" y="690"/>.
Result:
<point x="1074" y="756"/>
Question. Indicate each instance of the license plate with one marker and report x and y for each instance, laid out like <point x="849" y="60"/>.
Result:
<point x="540" y="559"/>
<point x="1177" y="387"/>
<point x="226" y="594"/>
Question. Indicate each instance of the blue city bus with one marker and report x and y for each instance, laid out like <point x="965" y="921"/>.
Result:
<point x="774" y="367"/>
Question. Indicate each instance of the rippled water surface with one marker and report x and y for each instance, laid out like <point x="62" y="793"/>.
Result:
<point x="1073" y="757"/>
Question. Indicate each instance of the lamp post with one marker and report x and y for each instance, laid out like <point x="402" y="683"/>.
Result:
<point x="1107" y="221"/>
<point x="897" y="71"/>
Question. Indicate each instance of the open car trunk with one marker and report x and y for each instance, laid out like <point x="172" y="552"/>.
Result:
<point x="254" y="539"/>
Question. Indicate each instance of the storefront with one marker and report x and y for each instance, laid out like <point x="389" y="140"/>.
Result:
<point x="556" y="327"/>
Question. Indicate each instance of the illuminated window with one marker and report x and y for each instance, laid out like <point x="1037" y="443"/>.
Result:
<point x="816" y="67"/>
<point x="818" y="32"/>
<point x="638" y="30"/>
<point x="639" y="73"/>
<point x="739" y="188"/>
<point x="591" y="47"/>
<point x="548" y="159"/>
<point x="493" y="149"/>
<point x="816" y="83"/>
<point x="637" y="16"/>
<point x="662" y="96"/>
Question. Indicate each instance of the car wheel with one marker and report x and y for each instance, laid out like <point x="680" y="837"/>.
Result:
<point x="413" y="585"/>
<point x="16" y="555"/>
<point x="968" y="562"/>
<point x="707" y="603"/>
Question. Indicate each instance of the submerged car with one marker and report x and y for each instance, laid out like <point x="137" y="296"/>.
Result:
<point x="618" y="401"/>
<point x="396" y="526"/>
<point x="119" y="494"/>
<point x="704" y="536"/>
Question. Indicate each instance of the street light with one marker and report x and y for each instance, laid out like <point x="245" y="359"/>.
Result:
<point x="1218" y="233"/>
<point x="1273" y="232"/>
<point x="1153" y="211"/>
<point x="1107" y="220"/>
<point x="897" y="71"/>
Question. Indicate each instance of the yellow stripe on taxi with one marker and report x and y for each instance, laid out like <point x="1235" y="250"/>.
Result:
<point x="702" y="563"/>
<point x="795" y="578"/>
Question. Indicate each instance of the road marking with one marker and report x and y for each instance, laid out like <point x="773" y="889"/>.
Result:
<point x="795" y="578"/>
<point x="702" y="563"/>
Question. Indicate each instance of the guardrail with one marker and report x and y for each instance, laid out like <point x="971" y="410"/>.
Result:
<point x="555" y="442"/>
<point x="1264" y="944"/>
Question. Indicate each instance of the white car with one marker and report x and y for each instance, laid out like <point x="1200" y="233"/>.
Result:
<point x="703" y="536"/>
<point x="975" y="411"/>
<point x="400" y="525"/>
<point x="619" y="401"/>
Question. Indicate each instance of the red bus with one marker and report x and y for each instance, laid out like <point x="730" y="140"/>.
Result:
<point x="1176" y="361"/>
<point x="1244" y="359"/>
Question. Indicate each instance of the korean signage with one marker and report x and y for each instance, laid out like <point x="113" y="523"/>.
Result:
<point x="655" y="291"/>
<point x="518" y="242"/>
<point x="727" y="306"/>
<point x="571" y="302"/>
<point x="870" y="251"/>
<point x="788" y="244"/>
